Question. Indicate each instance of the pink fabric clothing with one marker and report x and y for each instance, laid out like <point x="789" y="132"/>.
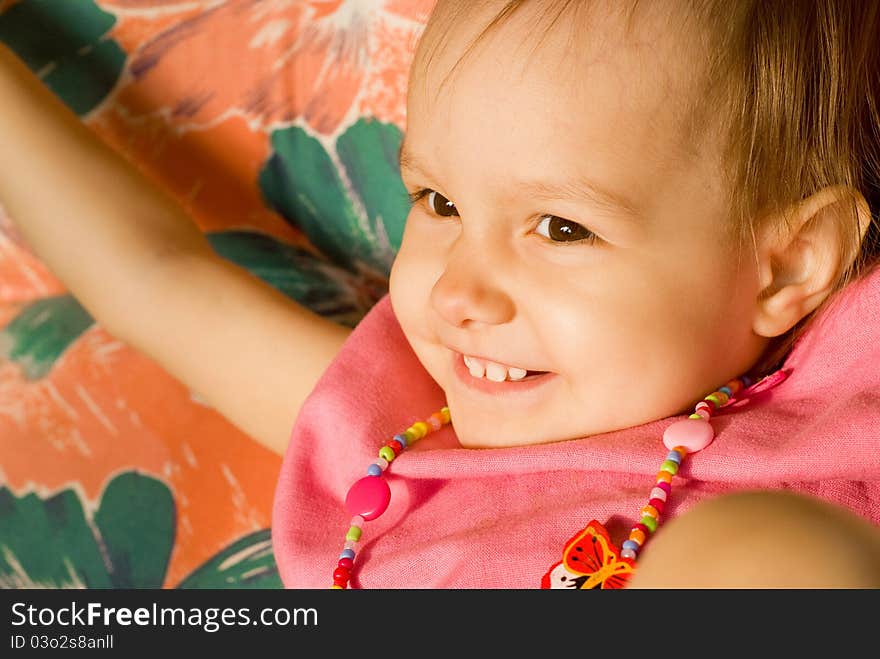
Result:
<point x="499" y="518"/>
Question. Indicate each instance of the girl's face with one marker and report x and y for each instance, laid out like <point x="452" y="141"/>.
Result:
<point x="569" y="227"/>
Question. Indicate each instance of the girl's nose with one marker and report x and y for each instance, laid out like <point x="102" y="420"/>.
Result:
<point x="468" y="292"/>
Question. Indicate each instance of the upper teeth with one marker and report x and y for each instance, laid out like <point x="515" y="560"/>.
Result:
<point x="496" y="372"/>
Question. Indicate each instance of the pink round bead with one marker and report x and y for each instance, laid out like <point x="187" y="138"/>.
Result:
<point x="368" y="497"/>
<point x="693" y="434"/>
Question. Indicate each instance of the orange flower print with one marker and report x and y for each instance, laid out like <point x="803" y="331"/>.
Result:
<point x="275" y="61"/>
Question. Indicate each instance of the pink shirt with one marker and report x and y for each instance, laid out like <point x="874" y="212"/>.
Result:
<point x="500" y="518"/>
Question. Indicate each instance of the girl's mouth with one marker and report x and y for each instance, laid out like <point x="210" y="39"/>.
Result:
<point x="532" y="381"/>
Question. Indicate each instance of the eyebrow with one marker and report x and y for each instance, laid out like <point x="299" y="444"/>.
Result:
<point x="575" y="190"/>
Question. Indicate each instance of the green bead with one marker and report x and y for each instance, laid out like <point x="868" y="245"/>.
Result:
<point x="670" y="466"/>
<point x="714" y="399"/>
<point x="695" y="416"/>
<point x="387" y="452"/>
<point x="354" y="534"/>
<point x="410" y="437"/>
<point x="650" y="522"/>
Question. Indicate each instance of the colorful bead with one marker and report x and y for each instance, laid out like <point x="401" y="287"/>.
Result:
<point x="382" y="463"/>
<point x="696" y="416"/>
<point x="374" y="470"/>
<point x="650" y="522"/>
<point x="401" y="437"/>
<point x="675" y="456"/>
<point x="357" y="520"/>
<point x="368" y="497"/>
<point x="722" y="397"/>
<point x="639" y="527"/>
<point x="670" y="466"/>
<point x="650" y="511"/>
<point x="716" y="398"/>
<point x="703" y="405"/>
<point x="387" y="453"/>
<point x="658" y="504"/>
<point x="726" y="390"/>
<point x="354" y="534"/>
<point x="347" y="553"/>
<point x="336" y="586"/>
<point x="637" y="535"/>
<point x="396" y="446"/>
<point x="658" y="493"/>
<point x="630" y="544"/>
<point x="436" y="420"/>
<point x="701" y="414"/>
<point x="445" y="412"/>
<point x="350" y="544"/>
<point x="346" y="562"/>
<point x="628" y="553"/>
<point x="415" y="431"/>
<point x="341" y="574"/>
<point x="666" y="487"/>
<point x="692" y="434"/>
<point x="411" y="437"/>
<point x="664" y="477"/>
<point x="422" y="427"/>
<point x="734" y="386"/>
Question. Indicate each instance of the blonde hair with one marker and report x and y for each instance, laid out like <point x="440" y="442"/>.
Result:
<point x="793" y="91"/>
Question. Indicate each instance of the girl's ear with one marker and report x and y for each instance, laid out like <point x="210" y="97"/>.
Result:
<point x="800" y="260"/>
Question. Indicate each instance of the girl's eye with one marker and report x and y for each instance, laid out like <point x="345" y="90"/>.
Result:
<point x="440" y="204"/>
<point x="565" y="231"/>
<point x="559" y="230"/>
<point x="436" y="202"/>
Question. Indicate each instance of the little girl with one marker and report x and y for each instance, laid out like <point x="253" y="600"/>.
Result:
<point x="621" y="214"/>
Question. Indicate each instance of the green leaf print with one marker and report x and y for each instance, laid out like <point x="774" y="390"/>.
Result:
<point x="62" y="43"/>
<point x="248" y="563"/>
<point x="55" y="542"/>
<point x="47" y="543"/>
<point x="324" y="288"/>
<point x="369" y="151"/>
<point x="136" y="521"/>
<point x="301" y="182"/>
<point x="52" y="543"/>
<point x="38" y="335"/>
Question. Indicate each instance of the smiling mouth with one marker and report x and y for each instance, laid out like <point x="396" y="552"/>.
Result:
<point x="528" y="385"/>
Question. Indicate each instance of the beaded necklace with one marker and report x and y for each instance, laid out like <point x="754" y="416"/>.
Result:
<point x="369" y="497"/>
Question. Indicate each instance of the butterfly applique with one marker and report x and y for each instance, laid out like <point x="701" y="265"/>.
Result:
<point x="590" y="560"/>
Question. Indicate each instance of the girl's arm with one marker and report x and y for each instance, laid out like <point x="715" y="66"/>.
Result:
<point x="136" y="261"/>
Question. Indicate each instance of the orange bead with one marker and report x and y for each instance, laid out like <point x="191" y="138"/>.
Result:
<point x="734" y="385"/>
<point x="664" y="477"/>
<point x="637" y="535"/>
<point x="682" y="451"/>
<point x="650" y="511"/>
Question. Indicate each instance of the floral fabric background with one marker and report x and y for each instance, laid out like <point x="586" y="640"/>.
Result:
<point x="276" y="123"/>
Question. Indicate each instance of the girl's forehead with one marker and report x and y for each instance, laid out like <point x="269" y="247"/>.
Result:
<point x="615" y="87"/>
